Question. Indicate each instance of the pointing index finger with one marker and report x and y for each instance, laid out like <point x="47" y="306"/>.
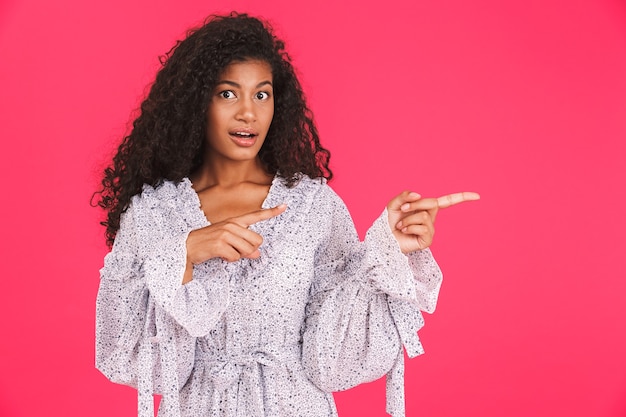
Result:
<point x="456" y="198"/>
<point x="260" y="215"/>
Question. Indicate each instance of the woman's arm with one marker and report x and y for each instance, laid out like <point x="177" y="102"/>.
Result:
<point x="230" y="239"/>
<point x="125" y="315"/>
<point x="365" y="303"/>
<point x="367" y="297"/>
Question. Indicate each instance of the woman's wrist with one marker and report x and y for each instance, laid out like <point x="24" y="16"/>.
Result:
<point x="188" y="275"/>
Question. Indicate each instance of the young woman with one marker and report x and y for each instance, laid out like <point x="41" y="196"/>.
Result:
<point x="236" y="284"/>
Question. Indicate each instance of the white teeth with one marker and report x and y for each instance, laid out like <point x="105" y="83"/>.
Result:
<point x="247" y="135"/>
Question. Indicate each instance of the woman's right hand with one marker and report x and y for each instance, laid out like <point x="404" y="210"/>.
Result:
<point x="230" y="239"/>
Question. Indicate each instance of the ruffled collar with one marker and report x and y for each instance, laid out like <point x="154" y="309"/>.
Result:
<point x="179" y="201"/>
<point x="175" y="200"/>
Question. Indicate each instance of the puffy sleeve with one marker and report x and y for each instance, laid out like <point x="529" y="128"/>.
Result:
<point x="146" y="320"/>
<point x="365" y="305"/>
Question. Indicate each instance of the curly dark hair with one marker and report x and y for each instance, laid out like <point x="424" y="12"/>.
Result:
<point x="168" y="137"/>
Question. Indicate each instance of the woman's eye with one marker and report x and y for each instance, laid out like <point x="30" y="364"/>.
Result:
<point x="227" y="94"/>
<point x="262" y="95"/>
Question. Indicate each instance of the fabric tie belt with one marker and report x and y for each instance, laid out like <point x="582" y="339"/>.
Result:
<point x="225" y="370"/>
<point x="245" y="373"/>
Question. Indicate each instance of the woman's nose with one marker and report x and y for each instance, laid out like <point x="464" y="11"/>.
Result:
<point x="246" y="110"/>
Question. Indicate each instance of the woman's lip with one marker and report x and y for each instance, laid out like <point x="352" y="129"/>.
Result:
<point x="243" y="141"/>
<point x="247" y="130"/>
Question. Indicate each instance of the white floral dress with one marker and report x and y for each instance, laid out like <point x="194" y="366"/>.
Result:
<point x="319" y="311"/>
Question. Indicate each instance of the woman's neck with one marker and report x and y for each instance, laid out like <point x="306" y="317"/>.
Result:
<point x="229" y="173"/>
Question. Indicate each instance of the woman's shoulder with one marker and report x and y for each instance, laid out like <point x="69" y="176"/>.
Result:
<point x="311" y="184"/>
<point x="166" y="191"/>
<point x="171" y="198"/>
<point x="171" y="204"/>
<point x="310" y="189"/>
<point x="310" y="194"/>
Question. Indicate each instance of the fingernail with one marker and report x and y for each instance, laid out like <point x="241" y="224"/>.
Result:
<point x="414" y="195"/>
<point x="405" y="230"/>
<point x="399" y="225"/>
<point x="405" y="207"/>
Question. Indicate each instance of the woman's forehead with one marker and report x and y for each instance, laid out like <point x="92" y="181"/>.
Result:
<point x="250" y="70"/>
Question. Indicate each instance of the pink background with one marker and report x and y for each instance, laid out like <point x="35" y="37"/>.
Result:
<point x="522" y="101"/>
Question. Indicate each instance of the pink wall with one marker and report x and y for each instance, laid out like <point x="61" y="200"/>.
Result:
<point x="524" y="102"/>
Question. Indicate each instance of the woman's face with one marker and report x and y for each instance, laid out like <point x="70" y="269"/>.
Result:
<point x="240" y="111"/>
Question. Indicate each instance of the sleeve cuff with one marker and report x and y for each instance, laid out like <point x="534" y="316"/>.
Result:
<point x="415" y="277"/>
<point x="164" y="269"/>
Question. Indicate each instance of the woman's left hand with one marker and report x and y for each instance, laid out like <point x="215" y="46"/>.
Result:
<point x="412" y="218"/>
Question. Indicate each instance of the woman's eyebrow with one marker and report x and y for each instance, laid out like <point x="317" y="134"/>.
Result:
<point x="236" y="85"/>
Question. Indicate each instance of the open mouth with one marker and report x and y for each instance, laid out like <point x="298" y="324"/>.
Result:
<point x="243" y="137"/>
